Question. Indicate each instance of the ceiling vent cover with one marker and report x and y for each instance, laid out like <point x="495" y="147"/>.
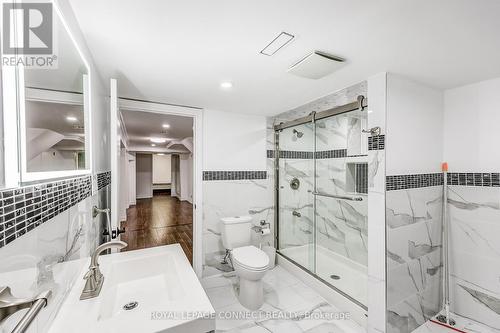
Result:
<point x="316" y="65"/>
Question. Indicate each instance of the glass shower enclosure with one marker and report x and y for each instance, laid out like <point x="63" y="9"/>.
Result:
<point x="321" y="196"/>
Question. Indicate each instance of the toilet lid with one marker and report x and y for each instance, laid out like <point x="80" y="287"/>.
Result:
<point x="251" y="257"/>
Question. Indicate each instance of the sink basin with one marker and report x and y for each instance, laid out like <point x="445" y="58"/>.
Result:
<point x="151" y="281"/>
<point x="150" y="290"/>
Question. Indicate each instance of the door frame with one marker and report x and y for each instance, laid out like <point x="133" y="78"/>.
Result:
<point x="197" y="115"/>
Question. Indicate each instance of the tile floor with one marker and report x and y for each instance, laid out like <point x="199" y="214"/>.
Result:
<point x="284" y="295"/>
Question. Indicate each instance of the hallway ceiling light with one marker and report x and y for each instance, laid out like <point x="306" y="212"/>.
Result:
<point x="153" y="145"/>
<point x="158" y="140"/>
<point x="160" y="154"/>
<point x="226" y="85"/>
<point x="165" y="126"/>
<point x="71" y="119"/>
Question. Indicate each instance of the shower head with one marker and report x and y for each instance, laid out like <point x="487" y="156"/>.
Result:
<point x="297" y="133"/>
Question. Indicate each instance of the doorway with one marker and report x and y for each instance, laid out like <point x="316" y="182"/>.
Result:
<point x="156" y="180"/>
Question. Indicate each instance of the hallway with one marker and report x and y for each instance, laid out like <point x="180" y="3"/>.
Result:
<point x="161" y="220"/>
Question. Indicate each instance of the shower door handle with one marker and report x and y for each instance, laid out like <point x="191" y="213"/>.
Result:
<point x="295" y="213"/>
<point x="341" y="197"/>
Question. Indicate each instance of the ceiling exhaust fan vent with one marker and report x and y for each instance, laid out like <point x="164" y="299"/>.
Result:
<point x="316" y="65"/>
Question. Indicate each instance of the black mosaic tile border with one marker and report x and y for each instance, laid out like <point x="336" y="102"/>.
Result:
<point x="234" y="175"/>
<point x="308" y="155"/>
<point x="336" y="153"/>
<point x="376" y="142"/>
<point x="103" y="179"/>
<point x="292" y="154"/>
<point x="25" y="208"/>
<point x="404" y="182"/>
<point x="362" y="178"/>
<point x="474" y="179"/>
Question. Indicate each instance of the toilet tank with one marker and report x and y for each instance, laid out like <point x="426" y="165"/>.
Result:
<point x="236" y="231"/>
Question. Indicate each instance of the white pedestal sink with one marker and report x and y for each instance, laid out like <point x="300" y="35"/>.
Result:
<point x="159" y="286"/>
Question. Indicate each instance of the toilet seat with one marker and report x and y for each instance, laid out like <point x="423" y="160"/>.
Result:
<point x="251" y="258"/>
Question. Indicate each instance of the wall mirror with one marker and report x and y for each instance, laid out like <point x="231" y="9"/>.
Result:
<point x="54" y="113"/>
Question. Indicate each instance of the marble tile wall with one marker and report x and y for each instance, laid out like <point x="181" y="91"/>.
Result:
<point x="45" y="257"/>
<point x="474" y="218"/>
<point x="414" y="252"/>
<point x="414" y="263"/>
<point x="222" y="198"/>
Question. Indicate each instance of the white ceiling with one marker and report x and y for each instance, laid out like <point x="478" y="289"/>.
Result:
<point x="179" y="51"/>
<point x="52" y="116"/>
<point x="141" y="126"/>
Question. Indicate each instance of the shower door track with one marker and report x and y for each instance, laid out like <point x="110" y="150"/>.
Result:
<point x="360" y="104"/>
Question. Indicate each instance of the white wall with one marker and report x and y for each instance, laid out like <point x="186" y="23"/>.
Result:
<point x="414" y="127"/>
<point x="471" y="127"/>
<point x="162" y="165"/>
<point x="186" y="175"/>
<point x="233" y="141"/>
<point x="53" y="159"/>
<point x="123" y="185"/>
<point x="144" y="176"/>
<point x="131" y="179"/>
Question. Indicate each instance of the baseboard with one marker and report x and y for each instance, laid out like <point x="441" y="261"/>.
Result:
<point x="144" y="197"/>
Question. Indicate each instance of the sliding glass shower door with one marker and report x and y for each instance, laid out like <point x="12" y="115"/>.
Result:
<point x="322" y="200"/>
<point x="296" y="204"/>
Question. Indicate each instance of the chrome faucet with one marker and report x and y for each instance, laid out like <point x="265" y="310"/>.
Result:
<point x="94" y="278"/>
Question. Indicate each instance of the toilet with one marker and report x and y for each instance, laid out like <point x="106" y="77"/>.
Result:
<point x="250" y="263"/>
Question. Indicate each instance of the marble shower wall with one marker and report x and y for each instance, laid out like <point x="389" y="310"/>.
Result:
<point x="414" y="265"/>
<point x="474" y="217"/>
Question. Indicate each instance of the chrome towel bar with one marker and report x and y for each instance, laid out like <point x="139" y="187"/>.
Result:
<point x="340" y="197"/>
<point x="10" y="304"/>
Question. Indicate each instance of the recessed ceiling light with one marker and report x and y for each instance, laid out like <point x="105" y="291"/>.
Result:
<point x="71" y="118"/>
<point x="160" y="154"/>
<point x="158" y="140"/>
<point x="226" y="85"/>
<point x="153" y="145"/>
<point x="165" y="126"/>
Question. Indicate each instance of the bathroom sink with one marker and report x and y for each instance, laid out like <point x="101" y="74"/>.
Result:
<point x="149" y="281"/>
<point x="150" y="290"/>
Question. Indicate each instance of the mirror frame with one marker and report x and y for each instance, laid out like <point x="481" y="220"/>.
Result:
<point x="55" y="97"/>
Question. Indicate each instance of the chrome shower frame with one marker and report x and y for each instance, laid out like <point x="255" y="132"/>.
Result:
<point x="360" y="104"/>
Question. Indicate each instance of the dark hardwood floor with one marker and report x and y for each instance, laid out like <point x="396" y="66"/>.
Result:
<point x="159" y="221"/>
